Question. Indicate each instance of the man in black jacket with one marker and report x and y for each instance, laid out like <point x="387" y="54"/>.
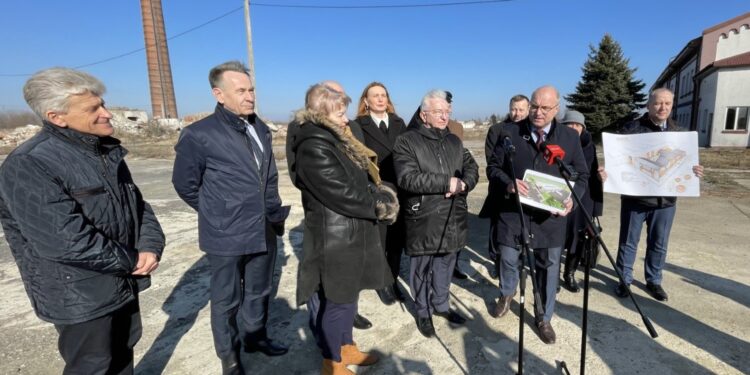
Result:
<point x="225" y="170"/>
<point x="84" y="240"/>
<point x="435" y="172"/>
<point x="518" y="111"/>
<point x="547" y="230"/>
<point x="657" y="212"/>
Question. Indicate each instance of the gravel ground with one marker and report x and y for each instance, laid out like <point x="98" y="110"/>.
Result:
<point x="703" y="329"/>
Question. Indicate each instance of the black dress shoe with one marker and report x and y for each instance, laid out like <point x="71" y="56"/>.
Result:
<point x="459" y="275"/>
<point x="231" y="366"/>
<point x="265" y="346"/>
<point x="622" y="291"/>
<point x="398" y="293"/>
<point x="657" y="291"/>
<point x="570" y="283"/>
<point x="387" y="296"/>
<point x="451" y="315"/>
<point x="546" y="333"/>
<point x="360" y="322"/>
<point x="494" y="271"/>
<point x="425" y="327"/>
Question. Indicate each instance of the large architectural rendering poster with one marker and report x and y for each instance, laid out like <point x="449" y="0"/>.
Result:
<point x="651" y="164"/>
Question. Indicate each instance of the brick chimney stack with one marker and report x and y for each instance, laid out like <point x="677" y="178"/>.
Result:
<point x="163" y="104"/>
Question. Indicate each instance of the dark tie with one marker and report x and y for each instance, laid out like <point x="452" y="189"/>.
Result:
<point x="383" y="128"/>
<point x="539" y="137"/>
<point x="254" y="145"/>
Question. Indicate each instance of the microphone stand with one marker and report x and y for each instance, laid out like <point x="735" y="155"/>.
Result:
<point x="527" y="257"/>
<point x="594" y="232"/>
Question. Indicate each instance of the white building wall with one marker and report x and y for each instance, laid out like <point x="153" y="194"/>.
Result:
<point x="707" y="110"/>
<point x="732" y="89"/>
<point x="734" y="44"/>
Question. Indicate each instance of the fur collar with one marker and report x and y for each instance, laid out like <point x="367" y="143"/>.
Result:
<point x="355" y="150"/>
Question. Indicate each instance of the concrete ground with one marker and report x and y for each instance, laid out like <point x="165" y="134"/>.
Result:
<point x="703" y="329"/>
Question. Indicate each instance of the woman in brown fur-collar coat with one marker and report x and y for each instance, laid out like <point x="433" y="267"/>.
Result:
<point x="344" y="200"/>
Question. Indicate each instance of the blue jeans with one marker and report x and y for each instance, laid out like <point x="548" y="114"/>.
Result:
<point x="658" y="225"/>
<point x="547" y="270"/>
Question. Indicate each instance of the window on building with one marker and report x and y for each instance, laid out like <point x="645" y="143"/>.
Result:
<point x="742" y="118"/>
<point x="737" y="118"/>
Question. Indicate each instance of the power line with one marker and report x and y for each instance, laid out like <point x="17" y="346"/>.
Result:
<point x="299" y="6"/>
<point x="445" y="4"/>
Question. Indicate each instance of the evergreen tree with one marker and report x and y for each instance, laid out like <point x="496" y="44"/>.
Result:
<point x="608" y="91"/>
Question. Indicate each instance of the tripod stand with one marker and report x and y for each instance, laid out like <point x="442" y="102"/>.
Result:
<point x="594" y="233"/>
<point x="526" y="257"/>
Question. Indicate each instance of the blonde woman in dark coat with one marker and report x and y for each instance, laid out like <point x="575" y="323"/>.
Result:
<point x="344" y="202"/>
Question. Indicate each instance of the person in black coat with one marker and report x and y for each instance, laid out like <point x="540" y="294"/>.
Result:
<point x="457" y="129"/>
<point x="547" y="230"/>
<point x="225" y="169"/>
<point x="518" y="111"/>
<point x="344" y="202"/>
<point x="434" y="172"/>
<point x="83" y="238"/>
<point x="592" y="200"/>
<point x="381" y="126"/>
<point x="360" y="322"/>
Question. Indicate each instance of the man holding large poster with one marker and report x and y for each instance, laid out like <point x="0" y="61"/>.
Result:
<point x="657" y="211"/>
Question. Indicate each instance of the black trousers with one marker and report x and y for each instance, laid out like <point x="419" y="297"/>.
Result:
<point x="103" y="345"/>
<point x="392" y="237"/>
<point x="240" y="291"/>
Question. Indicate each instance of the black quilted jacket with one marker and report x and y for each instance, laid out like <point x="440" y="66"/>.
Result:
<point x="425" y="160"/>
<point x="75" y="221"/>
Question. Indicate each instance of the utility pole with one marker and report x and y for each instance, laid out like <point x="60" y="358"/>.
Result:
<point x="250" y="56"/>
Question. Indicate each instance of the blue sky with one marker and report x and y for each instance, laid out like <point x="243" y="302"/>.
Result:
<point x="483" y="53"/>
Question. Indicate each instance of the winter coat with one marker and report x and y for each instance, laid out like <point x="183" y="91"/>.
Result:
<point x="216" y="174"/>
<point x="593" y="198"/>
<point x="291" y="139"/>
<point x="494" y="193"/>
<point x="546" y="230"/>
<point x="381" y="143"/>
<point x="425" y="160"/>
<point x="639" y="126"/>
<point x="341" y="250"/>
<point x="75" y="222"/>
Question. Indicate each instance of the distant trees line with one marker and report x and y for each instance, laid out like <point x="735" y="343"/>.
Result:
<point x="14" y="119"/>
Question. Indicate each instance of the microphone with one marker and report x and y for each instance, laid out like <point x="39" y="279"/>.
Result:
<point x="552" y="152"/>
<point x="555" y="153"/>
<point x="507" y="143"/>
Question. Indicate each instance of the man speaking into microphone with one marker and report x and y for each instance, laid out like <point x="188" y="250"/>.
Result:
<point x="530" y="138"/>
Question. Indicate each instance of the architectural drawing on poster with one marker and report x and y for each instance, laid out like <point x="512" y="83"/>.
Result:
<point x="651" y="164"/>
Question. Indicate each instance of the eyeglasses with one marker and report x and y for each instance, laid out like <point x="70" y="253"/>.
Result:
<point x="545" y="110"/>
<point x="438" y="112"/>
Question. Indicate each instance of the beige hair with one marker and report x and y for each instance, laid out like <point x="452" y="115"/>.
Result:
<point x="322" y="99"/>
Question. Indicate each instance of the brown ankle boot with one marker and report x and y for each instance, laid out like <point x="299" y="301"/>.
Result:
<point x="331" y="367"/>
<point x="351" y="355"/>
